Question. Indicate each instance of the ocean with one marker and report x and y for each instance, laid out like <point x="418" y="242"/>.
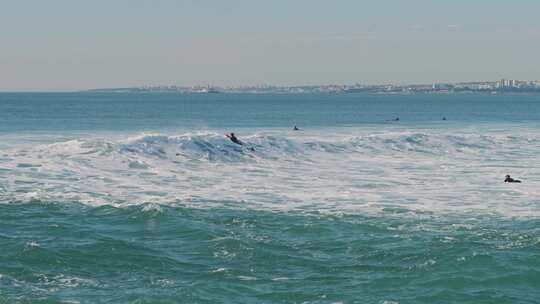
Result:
<point x="140" y="198"/>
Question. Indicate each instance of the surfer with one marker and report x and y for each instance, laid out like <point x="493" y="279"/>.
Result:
<point x="508" y="179"/>
<point x="444" y="118"/>
<point x="237" y="141"/>
<point x="296" y="128"/>
<point x="234" y="139"/>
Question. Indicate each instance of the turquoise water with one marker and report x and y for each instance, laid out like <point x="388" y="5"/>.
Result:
<point x="139" y="198"/>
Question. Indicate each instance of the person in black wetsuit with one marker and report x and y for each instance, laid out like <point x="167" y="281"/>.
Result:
<point x="508" y="179"/>
<point x="234" y="139"/>
<point x="296" y="128"/>
<point x="237" y="141"/>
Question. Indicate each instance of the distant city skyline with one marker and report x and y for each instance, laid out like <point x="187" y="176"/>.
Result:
<point x="491" y="87"/>
<point x="68" y="45"/>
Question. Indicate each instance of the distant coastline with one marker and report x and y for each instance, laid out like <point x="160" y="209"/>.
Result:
<point x="502" y="86"/>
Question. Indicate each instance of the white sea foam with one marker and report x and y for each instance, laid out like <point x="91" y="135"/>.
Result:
<point x="360" y="171"/>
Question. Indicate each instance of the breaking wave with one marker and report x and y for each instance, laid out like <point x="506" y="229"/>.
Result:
<point x="216" y="147"/>
<point x="372" y="172"/>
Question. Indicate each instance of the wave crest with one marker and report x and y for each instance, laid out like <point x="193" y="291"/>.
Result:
<point x="374" y="171"/>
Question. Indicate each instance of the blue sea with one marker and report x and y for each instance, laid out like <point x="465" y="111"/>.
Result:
<point x="140" y="198"/>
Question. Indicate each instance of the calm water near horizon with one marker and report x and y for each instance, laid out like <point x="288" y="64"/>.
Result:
<point x="140" y="198"/>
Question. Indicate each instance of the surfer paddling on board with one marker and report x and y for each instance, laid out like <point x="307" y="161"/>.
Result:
<point x="234" y="139"/>
<point x="508" y="179"/>
<point x="237" y="141"/>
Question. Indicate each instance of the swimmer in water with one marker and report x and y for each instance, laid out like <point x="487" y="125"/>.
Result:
<point x="234" y="139"/>
<point x="508" y="179"/>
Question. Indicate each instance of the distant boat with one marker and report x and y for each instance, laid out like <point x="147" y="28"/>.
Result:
<point x="206" y="91"/>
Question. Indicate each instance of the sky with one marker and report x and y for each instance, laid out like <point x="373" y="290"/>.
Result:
<point x="65" y="45"/>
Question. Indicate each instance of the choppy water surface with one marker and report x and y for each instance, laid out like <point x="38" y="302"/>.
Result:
<point x="133" y="198"/>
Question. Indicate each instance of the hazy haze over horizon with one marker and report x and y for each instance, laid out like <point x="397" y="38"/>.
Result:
<point x="62" y="45"/>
